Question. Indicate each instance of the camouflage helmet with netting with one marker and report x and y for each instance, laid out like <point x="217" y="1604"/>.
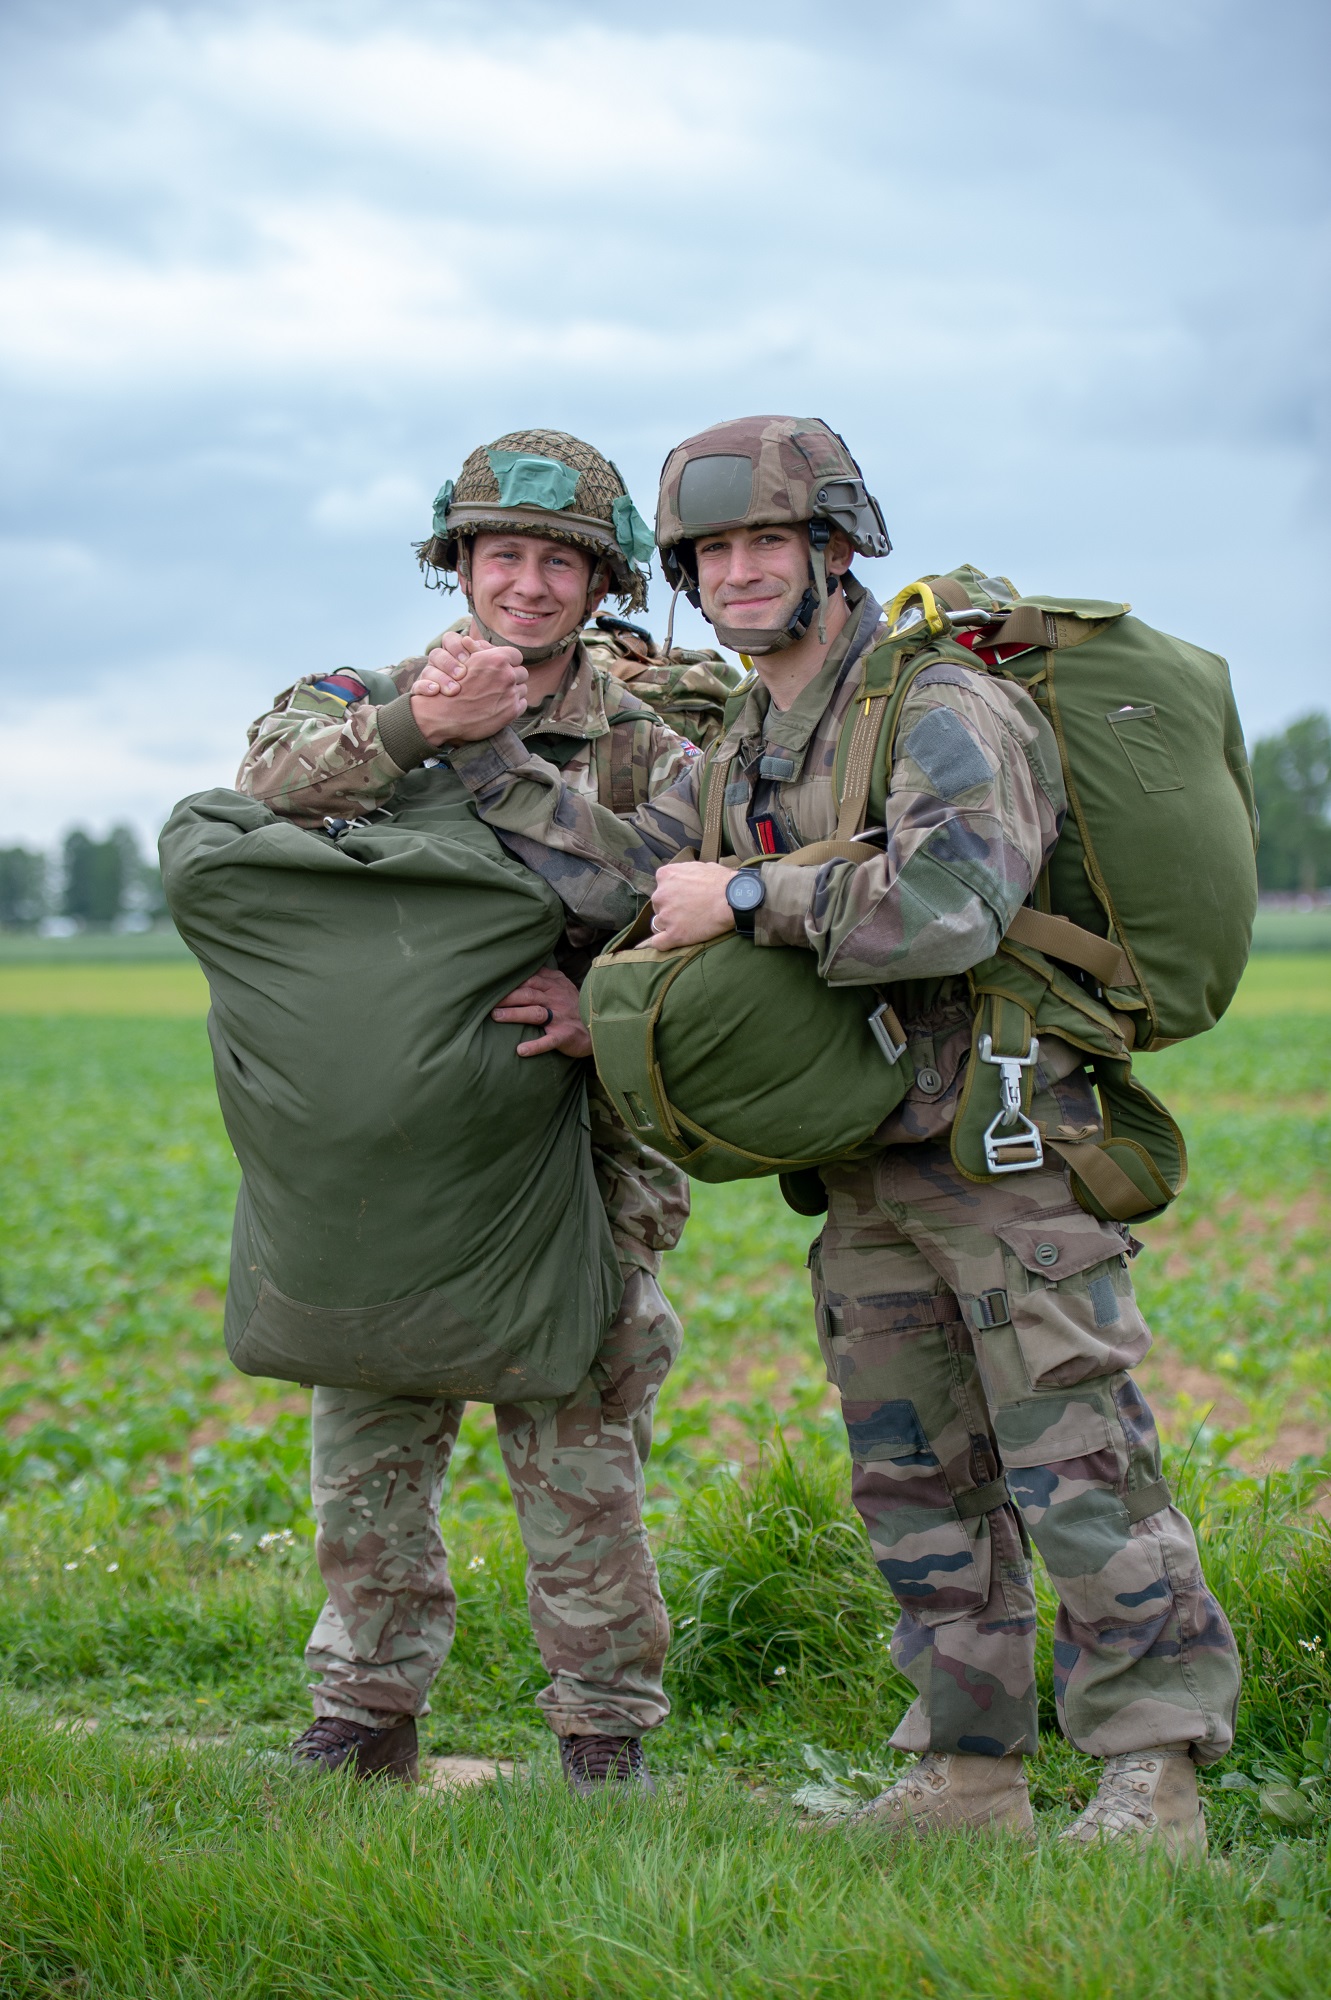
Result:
<point x="546" y="483"/>
<point x="759" y="472"/>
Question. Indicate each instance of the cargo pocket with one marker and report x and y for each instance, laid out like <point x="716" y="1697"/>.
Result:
<point x="1146" y="747"/>
<point x="1070" y="1299"/>
<point x="937" y="1564"/>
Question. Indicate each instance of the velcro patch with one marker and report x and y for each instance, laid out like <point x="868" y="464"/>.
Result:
<point x="948" y="754"/>
<point x="344" y="686"/>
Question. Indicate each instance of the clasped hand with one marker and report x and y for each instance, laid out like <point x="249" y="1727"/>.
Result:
<point x="467" y="690"/>
<point x="689" y="904"/>
<point x="548" y="1001"/>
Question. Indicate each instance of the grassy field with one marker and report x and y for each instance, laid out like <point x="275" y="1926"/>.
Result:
<point x="154" y="1539"/>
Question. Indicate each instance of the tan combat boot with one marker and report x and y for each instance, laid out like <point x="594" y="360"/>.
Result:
<point x="1146" y="1795"/>
<point x="947" y="1789"/>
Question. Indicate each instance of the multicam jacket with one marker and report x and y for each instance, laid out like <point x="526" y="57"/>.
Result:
<point x="974" y="806"/>
<point x="325" y="749"/>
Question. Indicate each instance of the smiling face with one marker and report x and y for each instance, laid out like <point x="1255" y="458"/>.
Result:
<point x="529" y="590"/>
<point x="757" y="576"/>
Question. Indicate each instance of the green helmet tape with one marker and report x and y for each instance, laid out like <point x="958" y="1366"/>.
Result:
<point x="528" y="481"/>
<point x="631" y="531"/>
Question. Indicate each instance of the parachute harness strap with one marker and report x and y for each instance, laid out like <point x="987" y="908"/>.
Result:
<point x="718" y="776"/>
<point x="859" y="766"/>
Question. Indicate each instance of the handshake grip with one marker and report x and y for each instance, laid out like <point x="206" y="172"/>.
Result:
<point x="467" y="698"/>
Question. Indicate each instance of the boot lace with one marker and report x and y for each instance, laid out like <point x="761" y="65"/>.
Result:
<point x="330" y="1732"/>
<point x="1125" y="1793"/>
<point x="922" y="1779"/>
<point x="600" y="1760"/>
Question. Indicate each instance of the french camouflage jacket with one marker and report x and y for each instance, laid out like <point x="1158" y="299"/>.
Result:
<point x="325" y="749"/>
<point x="974" y="806"/>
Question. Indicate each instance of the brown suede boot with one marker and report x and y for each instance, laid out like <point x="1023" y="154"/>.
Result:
<point x="330" y="1742"/>
<point x="948" y="1789"/>
<point x="593" y="1763"/>
<point x="1146" y="1795"/>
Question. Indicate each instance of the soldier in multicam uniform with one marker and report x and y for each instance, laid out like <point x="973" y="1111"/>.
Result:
<point x="980" y="1335"/>
<point x="537" y="529"/>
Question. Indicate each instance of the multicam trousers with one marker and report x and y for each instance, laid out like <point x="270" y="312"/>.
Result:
<point x="980" y="1337"/>
<point x="576" y="1471"/>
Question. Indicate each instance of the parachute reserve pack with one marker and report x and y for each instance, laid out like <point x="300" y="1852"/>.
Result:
<point x="418" y="1210"/>
<point x="687" y="688"/>
<point x="1138" y="934"/>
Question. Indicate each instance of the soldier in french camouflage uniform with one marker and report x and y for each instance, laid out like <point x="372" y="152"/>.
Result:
<point x="980" y="1334"/>
<point x="537" y="528"/>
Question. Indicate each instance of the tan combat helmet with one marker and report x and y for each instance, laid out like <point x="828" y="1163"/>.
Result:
<point x="542" y="483"/>
<point x="757" y="472"/>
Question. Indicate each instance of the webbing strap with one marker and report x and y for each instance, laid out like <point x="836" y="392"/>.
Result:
<point x="1028" y="625"/>
<point x="1117" y="1193"/>
<point x="1056" y="937"/>
<point x="1148" y="1500"/>
<point x="859" y="764"/>
<point x="982" y="1499"/>
<point x="819" y="851"/>
<point x="950" y="593"/>
<point x="718" y="777"/>
<point x="620" y="771"/>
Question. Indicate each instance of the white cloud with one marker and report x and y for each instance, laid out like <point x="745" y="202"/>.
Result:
<point x="388" y="504"/>
<point x="125" y="749"/>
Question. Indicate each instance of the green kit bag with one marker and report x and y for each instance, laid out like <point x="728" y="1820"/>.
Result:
<point x="736" y="1063"/>
<point x="418" y="1211"/>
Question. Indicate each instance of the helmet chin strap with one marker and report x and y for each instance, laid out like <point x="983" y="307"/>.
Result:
<point x="764" y="639"/>
<point x="534" y="656"/>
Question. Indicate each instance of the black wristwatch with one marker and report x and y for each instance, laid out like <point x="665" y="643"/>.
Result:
<point x="745" y="892"/>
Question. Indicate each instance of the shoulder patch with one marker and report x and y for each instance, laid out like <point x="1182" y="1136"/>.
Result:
<point x="346" y="686"/>
<point x="947" y="753"/>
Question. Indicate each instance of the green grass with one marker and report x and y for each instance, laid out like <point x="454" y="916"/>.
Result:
<point x="146" y="1875"/>
<point x="154" y="1546"/>
<point x="154" y="1874"/>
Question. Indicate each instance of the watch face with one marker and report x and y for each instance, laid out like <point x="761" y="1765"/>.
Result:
<point x="745" y="890"/>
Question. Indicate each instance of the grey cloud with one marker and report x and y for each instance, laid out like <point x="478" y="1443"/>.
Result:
<point x="1057" y="270"/>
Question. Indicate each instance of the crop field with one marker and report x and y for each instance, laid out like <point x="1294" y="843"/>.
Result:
<point x="155" y="1543"/>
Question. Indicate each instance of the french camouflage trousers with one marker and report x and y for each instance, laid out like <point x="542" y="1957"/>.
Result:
<point x="981" y="1337"/>
<point x="575" y="1467"/>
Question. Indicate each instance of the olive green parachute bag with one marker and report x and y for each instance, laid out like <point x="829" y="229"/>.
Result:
<point x="769" y="1069"/>
<point x="418" y="1211"/>
<point x="1137" y="935"/>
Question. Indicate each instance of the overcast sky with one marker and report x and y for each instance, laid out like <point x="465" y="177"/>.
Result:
<point x="1056" y="268"/>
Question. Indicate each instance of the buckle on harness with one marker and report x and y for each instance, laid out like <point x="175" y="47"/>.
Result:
<point x="1012" y="1142"/>
<point x="883" y="1025"/>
